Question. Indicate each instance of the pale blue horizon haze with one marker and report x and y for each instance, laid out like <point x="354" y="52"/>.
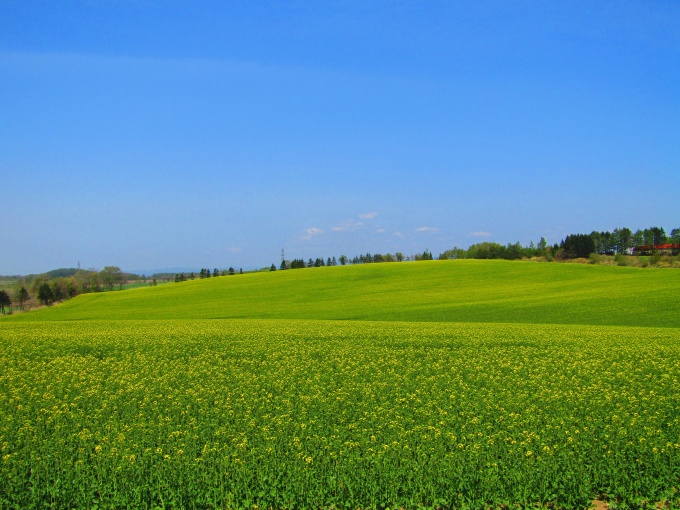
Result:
<point x="153" y="135"/>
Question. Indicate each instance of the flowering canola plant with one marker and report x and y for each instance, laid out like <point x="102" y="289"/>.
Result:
<point x="328" y="414"/>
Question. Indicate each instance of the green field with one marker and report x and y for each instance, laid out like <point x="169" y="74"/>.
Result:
<point x="458" y="384"/>
<point x="442" y="291"/>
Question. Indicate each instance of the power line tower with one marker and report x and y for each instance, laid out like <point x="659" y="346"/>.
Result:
<point x="283" y="256"/>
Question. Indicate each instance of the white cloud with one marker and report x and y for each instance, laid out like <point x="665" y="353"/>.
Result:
<point x="347" y="226"/>
<point x="427" y="229"/>
<point x="480" y="233"/>
<point x="368" y="216"/>
<point x="380" y="231"/>
<point x="398" y="234"/>
<point x="309" y="233"/>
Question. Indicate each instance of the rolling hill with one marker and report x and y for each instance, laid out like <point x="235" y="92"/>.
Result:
<point x="434" y="291"/>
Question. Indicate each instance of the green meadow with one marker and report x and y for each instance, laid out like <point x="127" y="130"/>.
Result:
<point x="443" y="384"/>
<point x="441" y="291"/>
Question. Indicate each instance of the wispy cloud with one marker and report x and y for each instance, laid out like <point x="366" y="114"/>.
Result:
<point x="380" y="231"/>
<point x="368" y="216"/>
<point x="480" y="233"/>
<point x="427" y="229"/>
<point x="311" y="232"/>
<point x="348" y="225"/>
<point x="398" y="234"/>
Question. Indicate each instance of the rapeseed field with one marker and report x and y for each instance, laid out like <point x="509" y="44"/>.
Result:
<point x="297" y="413"/>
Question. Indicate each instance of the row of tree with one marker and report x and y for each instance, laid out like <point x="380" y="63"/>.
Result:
<point x="59" y="285"/>
<point x="623" y="240"/>
<point x="206" y="273"/>
<point x="343" y="260"/>
<point x="619" y="241"/>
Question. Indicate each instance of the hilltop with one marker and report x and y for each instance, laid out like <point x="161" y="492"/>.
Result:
<point x="430" y="291"/>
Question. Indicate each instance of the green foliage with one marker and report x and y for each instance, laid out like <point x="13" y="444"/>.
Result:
<point x="315" y="414"/>
<point x="111" y="276"/>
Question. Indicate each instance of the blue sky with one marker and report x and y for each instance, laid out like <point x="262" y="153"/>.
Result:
<point x="150" y="134"/>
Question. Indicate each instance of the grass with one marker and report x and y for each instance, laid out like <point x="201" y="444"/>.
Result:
<point x="437" y="291"/>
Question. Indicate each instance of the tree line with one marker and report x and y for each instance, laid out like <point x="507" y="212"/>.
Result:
<point x="206" y="273"/>
<point x="619" y="241"/>
<point x="344" y="260"/>
<point x="61" y="284"/>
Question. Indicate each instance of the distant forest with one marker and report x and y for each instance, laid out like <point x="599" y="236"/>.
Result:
<point x="648" y="247"/>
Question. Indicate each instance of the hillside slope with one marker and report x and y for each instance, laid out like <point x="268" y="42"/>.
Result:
<point x="445" y="291"/>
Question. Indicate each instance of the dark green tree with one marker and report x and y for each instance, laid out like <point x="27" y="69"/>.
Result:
<point x="638" y="238"/>
<point x="675" y="236"/>
<point x="578" y="246"/>
<point x="45" y="294"/>
<point x="71" y="288"/>
<point x="21" y="296"/>
<point x="5" y="302"/>
<point x="272" y="267"/>
<point x="658" y="235"/>
<point x="623" y="239"/>
<point x="58" y="291"/>
<point x="231" y="270"/>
